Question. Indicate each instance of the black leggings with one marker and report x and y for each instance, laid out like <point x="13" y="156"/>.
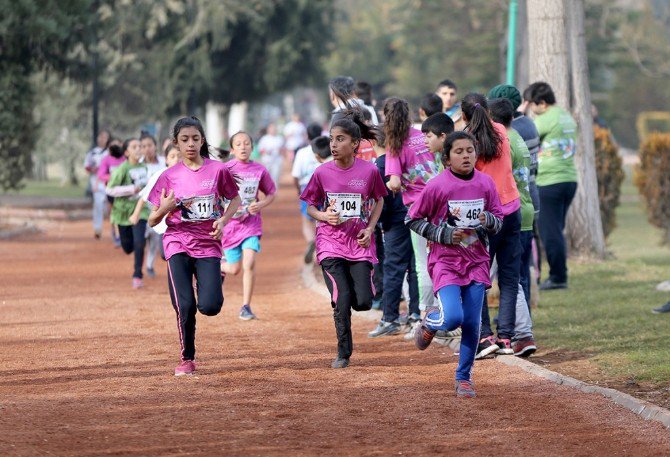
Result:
<point x="207" y="272"/>
<point x="350" y="285"/>
<point x="133" y="240"/>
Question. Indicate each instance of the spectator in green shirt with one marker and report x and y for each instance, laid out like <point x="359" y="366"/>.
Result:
<point x="556" y="177"/>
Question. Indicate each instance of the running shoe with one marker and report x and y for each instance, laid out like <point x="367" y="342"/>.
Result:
<point x="423" y="336"/>
<point x="524" y="347"/>
<point x="137" y="283"/>
<point x="340" y="362"/>
<point x="385" y="329"/>
<point x="96" y="235"/>
<point x="663" y="286"/>
<point x="449" y="335"/>
<point x="548" y="284"/>
<point x="246" y="314"/>
<point x="185" y="368"/>
<point x="465" y="389"/>
<point x="662" y="309"/>
<point x="505" y="346"/>
<point x="413" y="326"/>
<point x="309" y="253"/>
<point x="151" y="272"/>
<point x="486" y="347"/>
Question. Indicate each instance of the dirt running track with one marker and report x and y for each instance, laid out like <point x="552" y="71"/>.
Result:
<point x="87" y="370"/>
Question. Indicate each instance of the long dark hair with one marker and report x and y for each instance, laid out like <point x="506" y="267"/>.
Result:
<point x="396" y="124"/>
<point x="192" y="121"/>
<point x="353" y="123"/>
<point x="487" y="139"/>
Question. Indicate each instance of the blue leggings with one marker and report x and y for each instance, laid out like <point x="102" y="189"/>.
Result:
<point x="460" y="306"/>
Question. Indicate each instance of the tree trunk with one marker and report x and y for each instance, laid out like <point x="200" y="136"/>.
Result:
<point x="548" y="48"/>
<point x="584" y="226"/>
<point x="521" y="79"/>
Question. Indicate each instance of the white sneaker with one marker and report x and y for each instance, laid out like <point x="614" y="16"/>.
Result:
<point x="409" y="336"/>
<point x="663" y="286"/>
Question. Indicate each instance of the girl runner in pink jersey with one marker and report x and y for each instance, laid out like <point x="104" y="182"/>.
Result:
<point x="409" y="166"/>
<point x="241" y="237"/>
<point x="494" y="158"/>
<point x="191" y="194"/>
<point x="457" y="211"/>
<point x="345" y="196"/>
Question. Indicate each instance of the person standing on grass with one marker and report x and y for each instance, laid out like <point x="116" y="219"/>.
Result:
<point x="457" y="211"/>
<point x="190" y="195"/>
<point x="345" y="196"/>
<point x="556" y="177"/>
<point x="242" y="235"/>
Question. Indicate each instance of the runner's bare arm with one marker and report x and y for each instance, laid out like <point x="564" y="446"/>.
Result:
<point x="257" y="206"/>
<point x="167" y="205"/>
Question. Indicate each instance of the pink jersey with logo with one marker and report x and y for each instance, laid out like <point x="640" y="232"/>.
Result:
<point x="415" y="165"/>
<point x="457" y="202"/>
<point x="251" y="178"/>
<point x="354" y="191"/>
<point x="199" y="194"/>
<point x="107" y="166"/>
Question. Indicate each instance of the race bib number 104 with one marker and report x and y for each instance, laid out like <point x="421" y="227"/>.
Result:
<point x="348" y="205"/>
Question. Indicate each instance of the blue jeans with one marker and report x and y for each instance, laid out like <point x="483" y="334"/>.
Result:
<point x="526" y="239"/>
<point x="505" y="247"/>
<point x="555" y="200"/>
<point x="460" y="306"/>
<point x="398" y="260"/>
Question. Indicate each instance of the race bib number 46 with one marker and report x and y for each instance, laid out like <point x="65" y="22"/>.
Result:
<point x="196" y="209"/>
<point x="465" y="213"/>
<point x="348" y="205"/>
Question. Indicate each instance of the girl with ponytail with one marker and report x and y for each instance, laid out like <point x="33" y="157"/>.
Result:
<point x="190" y="194"/>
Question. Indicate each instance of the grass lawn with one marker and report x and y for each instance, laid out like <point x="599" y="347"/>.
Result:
<point x="605" y="316"/>
<point x="51" y="188"/>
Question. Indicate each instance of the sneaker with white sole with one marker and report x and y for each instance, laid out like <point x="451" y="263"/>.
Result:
<point x="246" y="314"/>
<point x="385" y="329"/>
<point x="185" y="368"/>
<point x="137" y="283"/>
<point x="487" y="346"/>
<point x="505" y="347"/>
<point x="524" y="347"/>
<point x="663" y="286"/>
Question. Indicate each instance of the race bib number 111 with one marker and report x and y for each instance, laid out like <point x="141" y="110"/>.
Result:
<point x="197" y="209"/>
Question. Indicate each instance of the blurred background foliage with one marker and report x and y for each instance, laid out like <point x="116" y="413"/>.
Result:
<point x="157" y="59"/>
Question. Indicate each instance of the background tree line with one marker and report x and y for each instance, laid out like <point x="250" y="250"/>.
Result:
<point x="156" y="59"/>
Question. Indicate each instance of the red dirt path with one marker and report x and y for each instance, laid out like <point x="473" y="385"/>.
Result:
<point x="87" y="370"/>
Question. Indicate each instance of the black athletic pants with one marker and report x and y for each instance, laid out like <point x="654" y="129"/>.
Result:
<point x="207" y="272"/>
<point x="350" y="285"/>
<point x="133" y="240"/>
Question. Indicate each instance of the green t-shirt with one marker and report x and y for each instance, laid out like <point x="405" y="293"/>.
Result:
<point x="558" y="132"/>
<point x="125" y="175"/>
<point x="521" y="172"/>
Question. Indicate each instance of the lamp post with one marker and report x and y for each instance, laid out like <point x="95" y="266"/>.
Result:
<point x="511" y="42"/>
